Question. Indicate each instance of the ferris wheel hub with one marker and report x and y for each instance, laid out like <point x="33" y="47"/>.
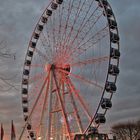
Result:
<point x="53" y="66"/>
<point x="65" y="68"/>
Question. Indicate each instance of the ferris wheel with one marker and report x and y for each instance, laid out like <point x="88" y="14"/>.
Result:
<point x="70" y="69"/>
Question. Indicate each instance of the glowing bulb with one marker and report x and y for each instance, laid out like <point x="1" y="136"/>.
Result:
<point x="39" y="138"/>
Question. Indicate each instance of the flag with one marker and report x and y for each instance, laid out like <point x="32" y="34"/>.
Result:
<point x="13" y="135"/>
<point x="2" y="132"/>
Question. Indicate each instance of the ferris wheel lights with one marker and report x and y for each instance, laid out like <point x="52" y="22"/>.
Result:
<point x="115" y="53"/>
<point x="106" y="103"/>
<point x="114" y="70"/>
<point x="39" y="138"/>
<point x="59" y="1"/>
<point x="100" y="118"/>
<point x="110" y="87"/>
<point x="48" y="12"/>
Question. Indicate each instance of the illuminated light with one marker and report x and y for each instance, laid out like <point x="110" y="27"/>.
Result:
<point x="39" y="138"/>
<point x="51" y="138"/>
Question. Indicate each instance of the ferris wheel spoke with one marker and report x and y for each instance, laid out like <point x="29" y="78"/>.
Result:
<point x="89" y="44"/>
<point x="80" y="50"/>
<point x="77" y="51"/>
<point x="52" y="39"/>
<point x="44" y="108"/>
<point x="40" y="53"/>
<point x="44" y="41"/>
<point x="90" y="61"/>
<point x="64" y="27"/>
<point x="60" y="26"/>
<point x="33" y="91"/>
<point x="80" y="25"/>
<point x="67" y="20"/>
<point x="82" y="79"/>
<point x="37" y="65"/>
<point x="39" y="94"/>
<point x="47" y="35"/>
<point x="53" y="32"/>
<point x="80" y="99"/>
<point x="83" y="25"/>
<point x="33" y="107"/>
<point x="85" y="34"/>
<point x="75" y="19"/>
<point x="36" y="77"/>
<point x="96" y="37"/>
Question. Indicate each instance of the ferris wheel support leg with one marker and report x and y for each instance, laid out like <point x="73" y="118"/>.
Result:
<point x="34" y="105"/>
<point x="50" y="107"/>
<point x="80" y="99"/>
<point x="75" y="109"/>
<point x="62" y="105"/>
<point x="44" y="105"/>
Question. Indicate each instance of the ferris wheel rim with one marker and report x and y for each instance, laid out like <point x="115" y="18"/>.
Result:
<point x="108" y="64"/>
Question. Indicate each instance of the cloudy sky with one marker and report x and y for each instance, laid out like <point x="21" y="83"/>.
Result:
<point x="17" y="21"/>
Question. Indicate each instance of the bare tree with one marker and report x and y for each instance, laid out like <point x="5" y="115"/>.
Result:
<point x="5" y="55"/>
<point x="127" y="131"/>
